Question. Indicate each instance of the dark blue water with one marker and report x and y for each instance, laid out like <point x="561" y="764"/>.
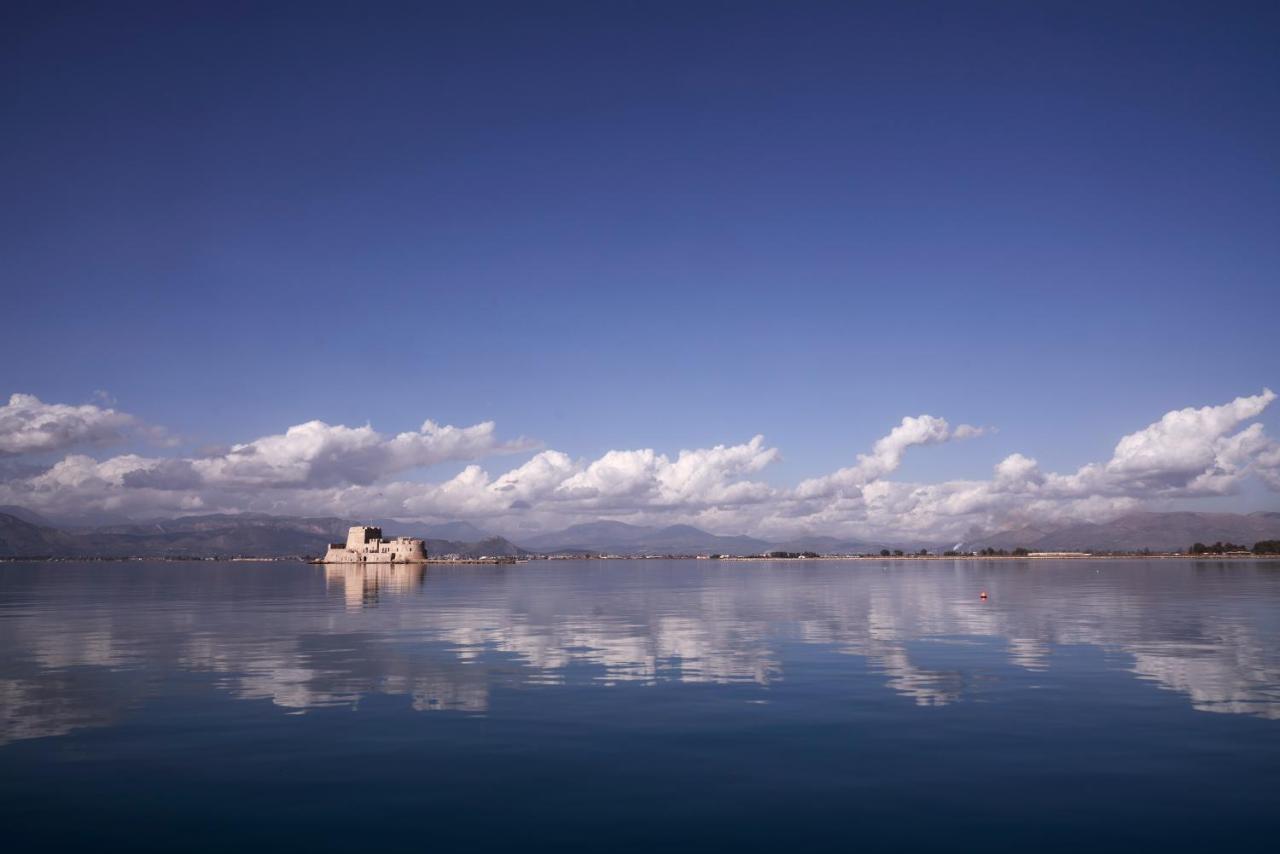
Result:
<point x="1086" y="705"/>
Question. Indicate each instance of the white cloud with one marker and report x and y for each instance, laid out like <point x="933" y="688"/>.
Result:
<point x="886" y="455"/>
<point x="30" y="426"/>
<point x="553" y="484"/>
<point x="316" y="454"/>
<point x="1187" y="453"/>
<point x="1267" y="464"/>
<point x="318" y="468"/>
<point x="1016" y="472"/>
<point x="1190" y="449"/>
<point x="288" y="471"/>
<point x="697" y="478"/>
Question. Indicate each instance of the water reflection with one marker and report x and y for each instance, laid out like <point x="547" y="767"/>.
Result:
<point x="84" y="644"/>
<point x="362" y="587"/>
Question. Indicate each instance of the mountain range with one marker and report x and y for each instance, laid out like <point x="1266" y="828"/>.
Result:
<point x="621" y="538"/>
<point x="1136" y="531"/>
<point x="26" y="534"/>
<point x="214" y="535"/>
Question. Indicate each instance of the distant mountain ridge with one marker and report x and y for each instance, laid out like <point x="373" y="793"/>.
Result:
<point x="213" y="535"/>
<point x="20" y="538"/>
<point x="1136" y="531"/>
<point x="464" y="532"/>
<point x="29" y="516"/>
<point x="621" y="538"/>
<point x="262" y="535"/>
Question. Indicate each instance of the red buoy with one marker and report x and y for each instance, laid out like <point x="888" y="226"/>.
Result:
<point x="983" y="595"/>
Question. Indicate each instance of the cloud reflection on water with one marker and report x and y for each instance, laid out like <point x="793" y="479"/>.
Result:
<point x="84" y="653"/>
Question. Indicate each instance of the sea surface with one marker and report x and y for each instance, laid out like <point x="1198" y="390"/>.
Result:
<point x="626" y="705"/>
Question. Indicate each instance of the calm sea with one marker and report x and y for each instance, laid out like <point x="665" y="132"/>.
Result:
<point x="621" y="705"/>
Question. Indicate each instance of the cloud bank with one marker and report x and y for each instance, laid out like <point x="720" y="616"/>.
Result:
<point x="30" y="426"/>
<point x="321" y="469"/>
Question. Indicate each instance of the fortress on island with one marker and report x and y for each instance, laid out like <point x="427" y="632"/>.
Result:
<point x="365" y="545"/>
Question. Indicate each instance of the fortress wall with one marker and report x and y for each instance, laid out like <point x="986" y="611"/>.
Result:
<point x="363" y="547"/>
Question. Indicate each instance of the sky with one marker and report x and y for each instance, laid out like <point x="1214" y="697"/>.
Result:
<point x="251" y="250"/>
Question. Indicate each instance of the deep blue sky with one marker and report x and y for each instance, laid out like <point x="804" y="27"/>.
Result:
<point x="617" y="225"/>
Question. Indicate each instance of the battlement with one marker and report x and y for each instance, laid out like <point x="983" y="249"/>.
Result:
<point x="365" y="545"/>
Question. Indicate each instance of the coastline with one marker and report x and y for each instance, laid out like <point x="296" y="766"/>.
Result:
<point x="724" y="558"/>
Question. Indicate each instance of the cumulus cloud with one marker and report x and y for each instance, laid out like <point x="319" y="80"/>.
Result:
<point x="78" y="485"/>
<point x="1188" y="453"/>
<point x="289" y="469"/>
<point x="702" y="477"/>
<point x="316" y="454"/>
<point x="318" y="468"/>
<point x="30" y="426"/>
<point x="1191" y="451"/>
<point x="886" y="455"/>
<point x="1016" y="472"/>
<point x="619" y="482"/>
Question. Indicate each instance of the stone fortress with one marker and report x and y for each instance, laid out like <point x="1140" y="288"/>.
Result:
<point x="366" y="545"/>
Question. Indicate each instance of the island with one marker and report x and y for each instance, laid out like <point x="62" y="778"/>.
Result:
<point x="365" y="545"/>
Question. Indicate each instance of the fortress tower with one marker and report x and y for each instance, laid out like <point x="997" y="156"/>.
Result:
<point x="366" y="545"/>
